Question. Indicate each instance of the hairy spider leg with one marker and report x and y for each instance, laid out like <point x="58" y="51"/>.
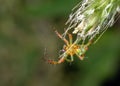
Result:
<point x="70" y="38"/>
<point x="60" y="36"/>
<point x="87" y="45"/>
<point x="81" y="57"/>
<point x="61" y="60"/>
<point x="52" y="62"/>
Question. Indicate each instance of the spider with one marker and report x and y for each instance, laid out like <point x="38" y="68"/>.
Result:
<point x="70" y="49"/>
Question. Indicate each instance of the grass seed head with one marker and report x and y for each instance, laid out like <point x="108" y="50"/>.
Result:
<point x="92" y="17"/>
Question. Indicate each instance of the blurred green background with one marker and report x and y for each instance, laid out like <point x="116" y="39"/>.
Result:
<point x="27" y="28"/>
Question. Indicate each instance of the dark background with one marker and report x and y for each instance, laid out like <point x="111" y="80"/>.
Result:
<point x="27" y="28"/>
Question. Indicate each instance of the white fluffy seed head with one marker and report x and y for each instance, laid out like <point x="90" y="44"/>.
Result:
<point x="92" y="17"/>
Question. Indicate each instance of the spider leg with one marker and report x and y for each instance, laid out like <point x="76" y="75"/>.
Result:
<point x="60" y="36"/>
<point x="61" y="60"/>
<point x="70" y="60"/>
<point x="56" y="62"/>
<point x="70" y="38"/>
<point x="52" y="62"/>
<point x="88" y="44"/>
<point x="81" y="57"/>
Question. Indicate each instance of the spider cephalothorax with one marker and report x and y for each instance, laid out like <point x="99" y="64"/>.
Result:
<point x="70" y="49"/>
